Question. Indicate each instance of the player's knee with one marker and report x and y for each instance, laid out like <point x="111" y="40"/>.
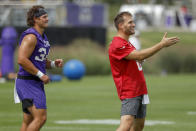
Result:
<point x="41" y="120"/>
<point x="127" y="124"/>
<point x="27" y="122"/>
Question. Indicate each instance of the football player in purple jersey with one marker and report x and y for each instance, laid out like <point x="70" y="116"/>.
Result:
<point x="32" y="60"/>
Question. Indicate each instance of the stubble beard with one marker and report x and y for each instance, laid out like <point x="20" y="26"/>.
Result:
<point x="43" y="26"/>
<point x="129" y="32"/>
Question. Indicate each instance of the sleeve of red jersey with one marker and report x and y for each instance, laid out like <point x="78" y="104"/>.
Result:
<point x="122" y="51"/>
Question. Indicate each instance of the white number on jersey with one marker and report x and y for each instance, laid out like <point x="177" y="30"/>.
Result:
<point x="42" y="55"/>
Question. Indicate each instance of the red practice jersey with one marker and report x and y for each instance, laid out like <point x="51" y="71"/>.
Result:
<point x="127" y="74"/>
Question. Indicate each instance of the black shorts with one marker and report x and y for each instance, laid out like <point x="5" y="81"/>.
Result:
<point x="26" y="103"/>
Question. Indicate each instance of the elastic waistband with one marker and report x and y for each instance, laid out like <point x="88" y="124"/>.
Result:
<point x="28" y="78"/>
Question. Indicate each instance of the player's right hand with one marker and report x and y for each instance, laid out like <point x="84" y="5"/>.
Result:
<point x="166" y="42"/>
<point x="45" y="79"/>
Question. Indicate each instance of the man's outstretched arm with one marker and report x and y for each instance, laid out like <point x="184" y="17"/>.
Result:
<point x="146" y="53"/>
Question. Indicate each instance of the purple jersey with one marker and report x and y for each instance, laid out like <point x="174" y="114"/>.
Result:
<point x="33" y="89"/>
<point x="38" y="56"/>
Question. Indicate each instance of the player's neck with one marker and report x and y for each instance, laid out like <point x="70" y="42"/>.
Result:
<point x="122" y="35"/>
<point x="39" y="30"/>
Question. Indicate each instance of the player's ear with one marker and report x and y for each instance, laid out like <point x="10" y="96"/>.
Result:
<point x="120" y="25"/>
<point x="35" y="18"/>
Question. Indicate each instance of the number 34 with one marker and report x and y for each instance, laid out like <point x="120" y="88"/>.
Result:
<point x="42" y="55"/>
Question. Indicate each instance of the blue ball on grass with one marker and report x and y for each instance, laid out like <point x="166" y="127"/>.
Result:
<point x="74" y="69"/>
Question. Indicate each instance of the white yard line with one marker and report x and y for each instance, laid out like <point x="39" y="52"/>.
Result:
<point x="47" y="127"/>
<point x="191" y="113"/>
<point x="110" y="122"/>
<point x="64" y="128"/>
<point x="157" y="122"/>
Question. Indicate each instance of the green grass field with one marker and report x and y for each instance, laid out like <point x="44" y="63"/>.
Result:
<point x="95" y="98"/>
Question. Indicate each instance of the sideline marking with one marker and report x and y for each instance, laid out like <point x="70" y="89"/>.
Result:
<point x="110" y="122"/>
<point x="191" y="113"/>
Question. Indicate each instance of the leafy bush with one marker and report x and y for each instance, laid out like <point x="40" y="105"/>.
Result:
<point x="189" y="64"/>
<point x="173" y="62"/>
<point x="150" y="67"/>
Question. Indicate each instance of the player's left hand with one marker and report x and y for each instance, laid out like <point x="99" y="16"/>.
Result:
<point x="59" y="63"/>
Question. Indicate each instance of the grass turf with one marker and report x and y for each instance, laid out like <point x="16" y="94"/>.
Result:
<point x="95" y="97"/>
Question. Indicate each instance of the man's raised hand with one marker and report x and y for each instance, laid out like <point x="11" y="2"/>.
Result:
<point x="168" y="41"/>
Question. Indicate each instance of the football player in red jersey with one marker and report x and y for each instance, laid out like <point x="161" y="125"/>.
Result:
<point x="127" y="72"/>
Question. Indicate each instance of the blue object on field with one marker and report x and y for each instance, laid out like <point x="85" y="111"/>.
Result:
<point x="8" y="42"/>
<point x="74" y="69"/>
<point x="55" y="78"/>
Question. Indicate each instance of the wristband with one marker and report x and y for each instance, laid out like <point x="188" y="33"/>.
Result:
<point x="39" y="74"/>
<point x="52" y="64"/>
